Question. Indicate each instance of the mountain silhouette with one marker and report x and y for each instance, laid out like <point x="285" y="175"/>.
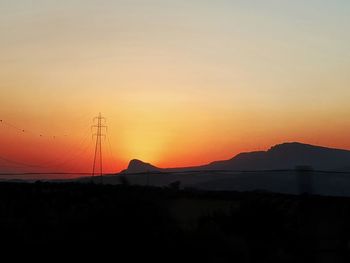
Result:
<point x="281" y="156"/>
<point x="288" y="156"/>
<point x="137" y="166"/>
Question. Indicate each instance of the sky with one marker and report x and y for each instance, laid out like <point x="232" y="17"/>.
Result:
<point x="180" y="82"/>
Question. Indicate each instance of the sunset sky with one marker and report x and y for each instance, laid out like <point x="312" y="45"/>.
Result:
<point x="181" y="82"/>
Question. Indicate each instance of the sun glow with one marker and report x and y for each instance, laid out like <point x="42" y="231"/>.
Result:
<point x="180" y="83"/>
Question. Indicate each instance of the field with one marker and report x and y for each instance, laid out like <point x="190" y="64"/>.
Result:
<point x="172" y="225"/>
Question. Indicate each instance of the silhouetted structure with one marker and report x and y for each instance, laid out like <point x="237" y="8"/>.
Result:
<point x="98" y="146"/>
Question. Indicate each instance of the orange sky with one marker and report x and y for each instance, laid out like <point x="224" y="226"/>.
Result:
<point x="180" y="82"/>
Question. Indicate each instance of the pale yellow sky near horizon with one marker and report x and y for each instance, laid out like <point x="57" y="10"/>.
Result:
<point x="180" y="82"/>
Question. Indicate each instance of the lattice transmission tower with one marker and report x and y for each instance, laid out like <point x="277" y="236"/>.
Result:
<point x="99" y="127"/>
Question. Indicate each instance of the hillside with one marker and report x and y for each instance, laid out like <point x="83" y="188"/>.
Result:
<point x="281" y="156"/>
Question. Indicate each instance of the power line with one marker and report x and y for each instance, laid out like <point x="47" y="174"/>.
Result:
<point x="58" y="161"/>
<point x="186" y="172"/>
<point x="18" y="129"/>
<point x="19" y="163"/>
<point x="110" y="148"/>
<point x="72" y="155"/>
<point x="45" y="173"/>
<point x="25" y="130"/>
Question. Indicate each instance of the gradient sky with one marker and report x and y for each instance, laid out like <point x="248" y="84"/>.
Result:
<point x="181" y="82"/>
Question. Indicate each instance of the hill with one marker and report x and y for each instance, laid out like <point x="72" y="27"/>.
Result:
<point x="281" y="156"/>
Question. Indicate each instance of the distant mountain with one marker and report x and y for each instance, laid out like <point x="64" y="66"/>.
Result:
<point x="288" y="156"/>
<point x="281" y="156"/>
<point x="137" y="166"/>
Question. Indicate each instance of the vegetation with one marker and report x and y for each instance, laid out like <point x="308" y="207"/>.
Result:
<point x="172" y="225"/>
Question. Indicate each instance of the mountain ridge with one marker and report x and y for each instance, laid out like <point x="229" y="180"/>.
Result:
<point x="286" y="155"/>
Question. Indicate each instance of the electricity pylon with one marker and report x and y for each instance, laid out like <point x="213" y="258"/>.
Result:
<point x="98" y="146"/>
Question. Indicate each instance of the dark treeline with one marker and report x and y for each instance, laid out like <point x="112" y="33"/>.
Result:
<point x="166" y="224"/>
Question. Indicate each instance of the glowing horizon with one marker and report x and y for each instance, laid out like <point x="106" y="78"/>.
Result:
<point x="181" y="83"/>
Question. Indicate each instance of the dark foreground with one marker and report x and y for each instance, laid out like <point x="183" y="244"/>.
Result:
<point x="165" y="224"/>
